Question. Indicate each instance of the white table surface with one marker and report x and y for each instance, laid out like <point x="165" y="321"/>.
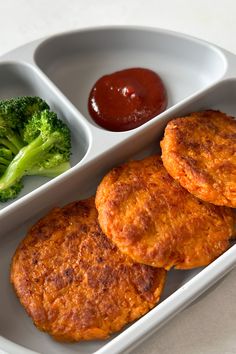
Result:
<point x="209" y="325"/>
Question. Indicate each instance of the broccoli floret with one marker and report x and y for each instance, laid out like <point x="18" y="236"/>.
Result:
<point x="9" y="137"/>
<point x="13" y="115"/>
<point x="46" y="151"/>
<point x="27" y="106"/>
<point x="20" y="109"/>
<point x="5" y="156"/>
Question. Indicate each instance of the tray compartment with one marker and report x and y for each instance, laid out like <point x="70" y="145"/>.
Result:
<point x="14" y="323"/>
<point x="74" y="61"/>
<point x="23" y="80"/>
<point x="220" y="97"/>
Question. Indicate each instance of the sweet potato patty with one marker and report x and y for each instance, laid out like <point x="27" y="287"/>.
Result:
<point x="74" y="283"/>
<point x="200" y="152"/>
<point x="151" y="218"/>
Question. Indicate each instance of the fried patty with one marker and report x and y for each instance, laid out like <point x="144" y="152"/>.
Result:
<point x="200" y="152"/>
<point x="155" y="221"/>
<point x="74" y="282"/>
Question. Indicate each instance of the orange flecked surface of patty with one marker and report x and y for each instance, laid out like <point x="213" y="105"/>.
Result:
<point x="200" y="152"/>
<point x="154" y="220"/>
<point x="74" y="282"/>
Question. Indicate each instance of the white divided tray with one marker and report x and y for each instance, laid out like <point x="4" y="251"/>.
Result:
<point x="62" y="69"/>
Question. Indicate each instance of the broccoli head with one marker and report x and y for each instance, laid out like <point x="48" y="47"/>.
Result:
<point x="46" y="150"/>
<point x="14" y="113"/>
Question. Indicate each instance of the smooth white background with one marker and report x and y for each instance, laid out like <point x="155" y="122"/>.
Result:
<point x="209" y="325"/>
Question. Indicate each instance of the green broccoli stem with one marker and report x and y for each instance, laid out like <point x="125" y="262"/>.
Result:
<point x="9" y="145"/>
<point x="24" y="161"/>
<point x="49" y="172"/>
<point x="15" y="139"/>
<point x="2" y="168"/>
<point x="4" y="161"/>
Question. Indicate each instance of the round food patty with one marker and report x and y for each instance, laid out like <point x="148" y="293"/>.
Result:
<point x="155" y="221"/>
<point x="200" y="152"/>
<point x="75" y="283"/>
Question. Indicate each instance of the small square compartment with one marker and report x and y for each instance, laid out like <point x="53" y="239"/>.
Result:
<point x="23" y="80"/>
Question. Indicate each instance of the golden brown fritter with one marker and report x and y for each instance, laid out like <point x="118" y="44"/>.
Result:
<point x="74" y="283"/>
<point x="200" y="152"/>
<point x="154" y="220"/>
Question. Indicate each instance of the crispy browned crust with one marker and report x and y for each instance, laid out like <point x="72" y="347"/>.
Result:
<point x="151" y="218"/>
<point x="200" y="152"/>
<point x="74" y="283"/>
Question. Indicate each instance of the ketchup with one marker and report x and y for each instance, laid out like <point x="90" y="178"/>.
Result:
<point x="127" y="99"/>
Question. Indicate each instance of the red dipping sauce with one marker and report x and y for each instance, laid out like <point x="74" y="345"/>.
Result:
<point x="127" y="99"/>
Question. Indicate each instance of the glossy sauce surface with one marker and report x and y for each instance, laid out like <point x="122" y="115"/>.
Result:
<point x="127" y="99"/>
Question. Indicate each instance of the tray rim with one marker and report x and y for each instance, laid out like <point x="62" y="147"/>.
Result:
<point x="38" y="41"/>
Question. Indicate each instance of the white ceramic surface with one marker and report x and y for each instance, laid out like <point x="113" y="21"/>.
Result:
<point x="197" y="74"/>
